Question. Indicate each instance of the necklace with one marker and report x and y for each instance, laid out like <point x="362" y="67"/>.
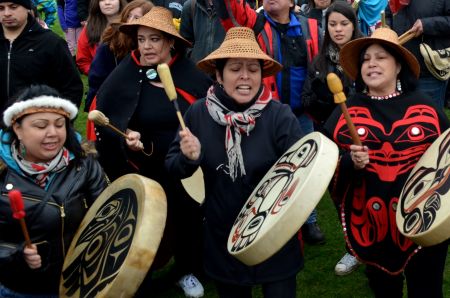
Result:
<point x="392" y="95"/>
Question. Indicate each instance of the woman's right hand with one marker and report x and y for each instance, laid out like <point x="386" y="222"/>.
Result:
<point x="189" y="144"/>
<point x="31" y="256"/>
<point x="134" y="140"/>
<point x="360" y="156"/>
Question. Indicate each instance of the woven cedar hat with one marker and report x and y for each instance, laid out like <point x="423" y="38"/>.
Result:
<point x="158" y="18"/>
<point x="351" y="52"/>
<point x="240" y="42"/>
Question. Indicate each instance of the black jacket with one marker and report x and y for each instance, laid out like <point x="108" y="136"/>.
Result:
<point x="202" y="27"/>
<point x="435" y="17"/>
<point x="119" y="97"/>
<point x="275" y="131"/>
<point x="37" y="56"/>
<point x="71" y="192"/>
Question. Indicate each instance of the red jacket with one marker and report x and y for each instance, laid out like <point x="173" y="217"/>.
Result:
<point x="85" y="52"/>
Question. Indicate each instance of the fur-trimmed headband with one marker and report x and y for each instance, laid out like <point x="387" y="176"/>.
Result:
<point x="39" y="104"/>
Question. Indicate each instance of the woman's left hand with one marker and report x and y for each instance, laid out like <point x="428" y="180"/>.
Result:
<point x="360" y="156"/>
<point x="189" y="144"/>
<point x="32" y="257"/>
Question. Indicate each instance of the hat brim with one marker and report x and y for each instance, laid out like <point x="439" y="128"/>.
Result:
<point x="130" y="29"/>
<point x="270" y="66"/>
<point x="350" y="54"/>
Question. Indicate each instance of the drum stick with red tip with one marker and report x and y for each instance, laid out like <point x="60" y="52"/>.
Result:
<point x="166" y="79"/>
<point x="17" y="207"/>
<point x="335" y="86"/>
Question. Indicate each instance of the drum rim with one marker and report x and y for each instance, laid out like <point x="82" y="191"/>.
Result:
<point x="123" y="281"/>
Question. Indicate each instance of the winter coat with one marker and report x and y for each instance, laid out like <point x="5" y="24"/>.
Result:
<point x="175" y="6"/>
<point x="37" y="56"/>
<point x="103" y="64"/>
<point x="435" y="17"/>
<point x="119" y="98"/>
<point x="64" y="204"/>
<point x="85" y="52"/>
<point x="201" y="26"/>
<point x="275" y="131"/>
<point x="291" y="46"/>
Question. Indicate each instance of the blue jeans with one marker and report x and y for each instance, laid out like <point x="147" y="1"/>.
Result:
<point x="7" y="293"/>
<point x="307" y="127"/>
<point x="434" y="88"/>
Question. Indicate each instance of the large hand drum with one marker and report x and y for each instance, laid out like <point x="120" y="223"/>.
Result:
<point x="117" y="240"/>
<point x="423" y="212"/>
<point x="283" y="200"/>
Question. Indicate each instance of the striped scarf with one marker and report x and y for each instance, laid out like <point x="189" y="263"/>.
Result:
<point x="40" y="171"/>
<point x="236" y="123"/>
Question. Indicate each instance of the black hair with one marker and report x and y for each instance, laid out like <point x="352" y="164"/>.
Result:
<point x="72" y="143"/>
<point x="220" y="65"/>
<point x="407" y="79"/>
<point x="342" y="7"/>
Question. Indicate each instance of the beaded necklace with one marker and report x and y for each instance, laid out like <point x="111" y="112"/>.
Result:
<point x="389" y="96"/>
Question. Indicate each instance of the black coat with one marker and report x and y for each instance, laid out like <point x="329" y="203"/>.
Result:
<point x="276" y="130"/>
<point x="119" y="97"/>
<point x="37" y="56"/>
<point x="435" y="17"/>
<point x="71" y="192"/>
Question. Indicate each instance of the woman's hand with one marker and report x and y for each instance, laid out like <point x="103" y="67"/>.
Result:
<point x="134" y="140"/>
<point x="31" y="256"/>
<point x="189" y="144"/>
<point x="360" y="156"/>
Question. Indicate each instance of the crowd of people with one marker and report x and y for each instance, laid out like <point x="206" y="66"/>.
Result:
<point x="251" y="80"/>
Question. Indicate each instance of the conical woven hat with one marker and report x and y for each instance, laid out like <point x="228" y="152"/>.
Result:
<point x="350" y="54"/>
<point x="158" y="18"/>
<point x="240" y="42"/>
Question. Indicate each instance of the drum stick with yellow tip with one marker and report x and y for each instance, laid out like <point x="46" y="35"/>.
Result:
<point x="166" y="79"/>
<point x="335" y="86"/>
<point x="100" y="119"/>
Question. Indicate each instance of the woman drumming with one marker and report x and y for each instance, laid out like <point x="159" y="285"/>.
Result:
<point x="396" y="124"/>
<point x="41" y="156"/>
<point x="133" y="98"/>
<point x="236" y="134"/>
<point x="318" y="102"/>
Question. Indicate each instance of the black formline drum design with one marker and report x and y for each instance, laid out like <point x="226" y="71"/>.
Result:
<point x="423" y="212"/>
<point x="283" y="199"/>
<point x="117" y="240"/>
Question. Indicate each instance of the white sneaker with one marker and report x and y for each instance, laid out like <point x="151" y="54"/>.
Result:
<point x="346" y="265"/>
<point x="191" y="286"/>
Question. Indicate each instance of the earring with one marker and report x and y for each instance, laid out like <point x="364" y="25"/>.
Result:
<point x="399" y="86"/>
<point x="23" y="150"/>
<point x="172" y="47"/>
<point x="221" y="86"/>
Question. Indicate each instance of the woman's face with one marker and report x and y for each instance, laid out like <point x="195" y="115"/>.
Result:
<point x="109" y="7"/>
<point x="379" y="71"/>
<point x="241" y="79"/>
<point x="322" y="4"/>
<point x="134" y="14"/>
<point x="42" y="134"/>
<point x="340" y="29"/>
<point x="153" y="46"/>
